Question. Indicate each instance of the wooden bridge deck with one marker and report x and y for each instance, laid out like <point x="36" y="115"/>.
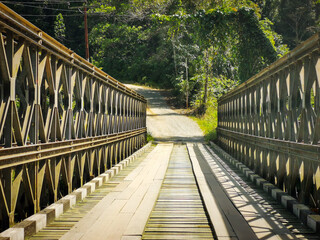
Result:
<point x="178" y="212"/>
<point x="64" y="223"/>
<point x="177" y="191"/>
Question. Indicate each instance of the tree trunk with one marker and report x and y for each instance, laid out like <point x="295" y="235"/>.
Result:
<point x="205" y="95"/>
<point x="203" y="108"/>
<point x="187" y="85"/>
<point x="174" y="59"/>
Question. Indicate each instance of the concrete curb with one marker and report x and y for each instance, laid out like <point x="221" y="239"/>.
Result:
<point x="303" y="212"/>
<point x="36" y="222"/>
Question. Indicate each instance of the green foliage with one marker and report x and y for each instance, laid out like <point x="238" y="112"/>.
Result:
<point x="44" y="14"/>
<point x="202" y="49"/>
<point x="149" y="138"/>
<point x="240" y="46"/>
<point x="208" y="122"/>
<point x="162" y="41"/>
<point x="132" y="50"/>
<point x="255" y="49"/>
<point x="274" y="38"/>
<point x="217" y="86"/>
<point x="59" y="28"/>
<point x="296" y="21"/>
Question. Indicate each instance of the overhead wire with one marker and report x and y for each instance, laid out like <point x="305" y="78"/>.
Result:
<point x="49" y="15"/>
<point x="39" y="7"/>
<point x="45" y="2"/>
<point x="60" y="1"/>
<point x="67" y="14"/>
<point x="64" y="15"/>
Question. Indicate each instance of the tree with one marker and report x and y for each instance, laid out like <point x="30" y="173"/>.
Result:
<point x="43" y="14"/>
<point x="166" y="44"/>
<point x="59" y="28"/>
<point x="208" y="53"/>
<point x="297" y="21"/>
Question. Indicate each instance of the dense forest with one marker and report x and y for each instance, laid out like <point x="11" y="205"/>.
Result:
<point x="199" y="48"/>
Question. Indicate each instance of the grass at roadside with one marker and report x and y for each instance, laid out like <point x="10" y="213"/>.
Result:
<point x="208" y="122"/>
<point x="149" y="137"/>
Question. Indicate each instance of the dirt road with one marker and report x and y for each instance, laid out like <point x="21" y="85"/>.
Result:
<point x="165" y="124"/>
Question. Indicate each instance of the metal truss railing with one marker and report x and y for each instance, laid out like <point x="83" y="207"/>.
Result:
<point x="62" y="120"/>
<point x="272" y="122"/>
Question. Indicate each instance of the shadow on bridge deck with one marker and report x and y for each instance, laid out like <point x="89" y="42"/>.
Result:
<point x="162" y="195"/>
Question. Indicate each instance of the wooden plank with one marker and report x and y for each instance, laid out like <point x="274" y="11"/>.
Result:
<point x="266" y="217"/>
<point x="140" y="217"/>
<point x="147" y="179"/>
<point x="226" y="219"/>
<point x="131" y="238"/>
<point x="178" y="211"/>
<point x="115" y="229"/>
<point x="103" y="199"/>
<point x="107" y="221"/>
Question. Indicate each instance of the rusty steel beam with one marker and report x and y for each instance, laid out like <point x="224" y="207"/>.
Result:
<point x="12" y="157"/>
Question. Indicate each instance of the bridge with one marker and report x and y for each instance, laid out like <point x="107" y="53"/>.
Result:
<point x="75" y="162"/>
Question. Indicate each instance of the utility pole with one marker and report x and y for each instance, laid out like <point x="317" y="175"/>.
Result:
<point x="86" y="38"/>
<point x="86" y="31"/>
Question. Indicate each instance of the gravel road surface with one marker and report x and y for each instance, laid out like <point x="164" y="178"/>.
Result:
<point x="165" y="124"/>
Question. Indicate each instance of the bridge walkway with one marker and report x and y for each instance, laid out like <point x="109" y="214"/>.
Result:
<point x="236" y="194"/>
<point x="179" y="211"/>
<point x="177" y="191"/>
<point x="108" y="192"/>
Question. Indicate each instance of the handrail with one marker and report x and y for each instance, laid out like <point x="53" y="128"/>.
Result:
<point x="62" y="120"/>
<point x="24" y="28"/>
<point x="304" y="49"/>
<point x="272" y="122"/>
